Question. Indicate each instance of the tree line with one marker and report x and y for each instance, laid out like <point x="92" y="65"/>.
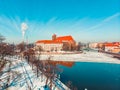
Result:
<point x="41" y="67"/>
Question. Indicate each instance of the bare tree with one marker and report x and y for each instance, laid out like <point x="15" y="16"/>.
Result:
<point x="70" y="85"/>
<point x="2" y="52"/>
<point x="51" y="71"/>
<point x="46" y="67"/>
<point x="78" y="46"/>
<point x="21" y="46"/>
<point x="39" y="49"/>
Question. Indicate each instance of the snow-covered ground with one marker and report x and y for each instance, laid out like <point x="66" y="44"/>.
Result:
<point x="83" y="57"/>
<point x="22" y="77"/>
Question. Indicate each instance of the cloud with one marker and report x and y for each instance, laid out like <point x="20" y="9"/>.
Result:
<point x="10" y="28"/>
<point x="106" y="20"/>
<point x="79" y="28"/>
<point x="111" y="17"/>
<point x="9" y="25"/>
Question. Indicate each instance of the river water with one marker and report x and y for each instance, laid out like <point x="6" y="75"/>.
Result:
<point x="92" y="76"/>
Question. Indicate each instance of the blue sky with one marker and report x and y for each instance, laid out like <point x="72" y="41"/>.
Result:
<point x="85" y="20"/>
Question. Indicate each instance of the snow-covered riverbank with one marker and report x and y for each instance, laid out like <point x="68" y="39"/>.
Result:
<point x="82" y="57"/>
<point x="22" y="77"/>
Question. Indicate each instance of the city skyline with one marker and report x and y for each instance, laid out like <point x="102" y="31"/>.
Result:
<point x="86" y="21"/>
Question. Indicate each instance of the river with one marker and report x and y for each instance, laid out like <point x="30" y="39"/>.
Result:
<point x="92" y="76"/>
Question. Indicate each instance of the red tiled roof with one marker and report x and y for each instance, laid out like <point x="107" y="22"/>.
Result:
<point x="57" y="40"/>
<point x="68" y="38"/>
<point x="47" y="41"/>
<point x="110" y="45"/>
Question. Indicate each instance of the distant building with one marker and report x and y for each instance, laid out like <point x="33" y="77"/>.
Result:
<point x="112" y="47"/>
<point x="93" y="45"/>
<point x="57" y="43"/>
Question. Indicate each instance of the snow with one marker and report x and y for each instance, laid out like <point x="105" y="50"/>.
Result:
<point x="25" y="77"/>
<point x="82" y="57"/>
<point x="22" y="76"/>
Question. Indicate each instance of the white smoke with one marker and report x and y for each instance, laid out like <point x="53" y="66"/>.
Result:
<point x="24" y="27"/>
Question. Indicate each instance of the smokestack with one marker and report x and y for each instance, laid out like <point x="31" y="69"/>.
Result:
<point x="24" y="27"/>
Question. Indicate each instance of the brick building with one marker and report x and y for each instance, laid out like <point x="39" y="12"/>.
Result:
<point x="66" y="43"/>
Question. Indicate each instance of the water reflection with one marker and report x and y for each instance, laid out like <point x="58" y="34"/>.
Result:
<point x="63" y="63"/>
<point x="50" y="69"/>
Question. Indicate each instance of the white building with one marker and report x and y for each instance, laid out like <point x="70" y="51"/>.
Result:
<point x="93" y="45"/>
<point x="49" y="45"/>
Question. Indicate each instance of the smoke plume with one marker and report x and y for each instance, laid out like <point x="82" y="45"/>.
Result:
<point x="24" y="27"/>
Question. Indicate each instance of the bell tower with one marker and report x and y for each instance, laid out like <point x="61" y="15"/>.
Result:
<point x="54" y="36"/>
